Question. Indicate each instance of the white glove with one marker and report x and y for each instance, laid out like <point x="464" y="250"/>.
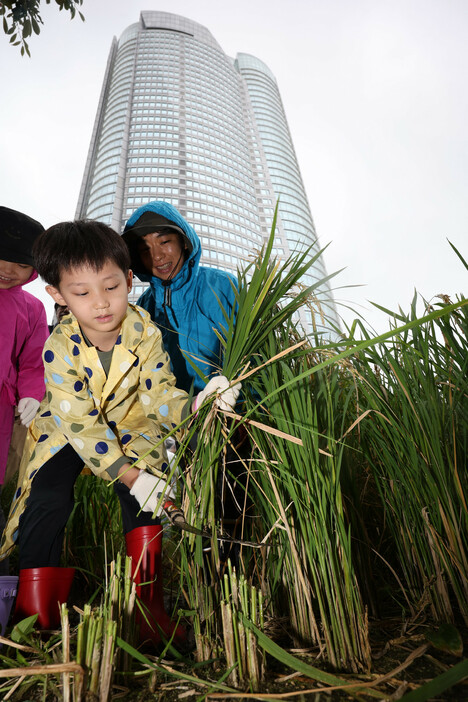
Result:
<point x="147" y="490"/>
<point x="27" y="408"/>
<point x="226" y="396"/>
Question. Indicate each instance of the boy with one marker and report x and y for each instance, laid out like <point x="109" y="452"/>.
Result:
<point x="110" y="397"/>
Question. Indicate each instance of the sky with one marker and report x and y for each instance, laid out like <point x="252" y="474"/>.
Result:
<point x="376" y="100"/>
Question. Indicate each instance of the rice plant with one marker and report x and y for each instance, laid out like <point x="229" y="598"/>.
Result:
<point x="415" y="438"/>
<point x="342" y="456"/>
<point x="97" y="511"/>
<point x="290" y="480"/>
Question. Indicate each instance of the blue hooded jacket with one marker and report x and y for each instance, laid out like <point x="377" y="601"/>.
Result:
<point x="190" y="307"/>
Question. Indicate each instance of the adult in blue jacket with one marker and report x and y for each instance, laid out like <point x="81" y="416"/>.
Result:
<point x="187" y="301"/>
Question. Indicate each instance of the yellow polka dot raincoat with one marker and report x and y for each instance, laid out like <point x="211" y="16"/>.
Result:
<point x="102" y="418"/>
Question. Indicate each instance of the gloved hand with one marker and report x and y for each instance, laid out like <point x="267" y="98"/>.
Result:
<point x="147" y="490"/>
<point x="225" y="398"/>
<point x="27" y="408"/>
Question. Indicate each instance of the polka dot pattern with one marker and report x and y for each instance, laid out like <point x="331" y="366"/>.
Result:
<point x="140" y="402"/>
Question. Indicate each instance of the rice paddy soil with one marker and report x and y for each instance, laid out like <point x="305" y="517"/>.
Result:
<point x="404" y="658"/>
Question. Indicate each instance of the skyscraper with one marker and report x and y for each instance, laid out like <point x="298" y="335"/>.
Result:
<point x="178" y="120"/>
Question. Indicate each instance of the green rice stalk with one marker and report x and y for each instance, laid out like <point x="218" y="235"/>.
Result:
<point x="229" y="641"/>
<point x="245" y="663"/>
<point x="65" y="650"/>
<point x="108" y="661"/>
<point x="96" y="654"/>
<point x="417" y="450"/>
<point x="96" y="506"/>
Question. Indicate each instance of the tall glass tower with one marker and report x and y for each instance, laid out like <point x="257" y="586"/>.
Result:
<point x="180" y="121"/>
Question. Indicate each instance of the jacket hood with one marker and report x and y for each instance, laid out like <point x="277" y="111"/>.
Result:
<point x="33" y="277"/>
<point x="132" y="233"/>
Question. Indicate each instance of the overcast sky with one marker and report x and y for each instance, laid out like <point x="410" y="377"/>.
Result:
<point x="375" y="92"/>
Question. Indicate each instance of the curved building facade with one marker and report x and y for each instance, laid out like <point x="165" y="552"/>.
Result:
<point x="178" y="120"/>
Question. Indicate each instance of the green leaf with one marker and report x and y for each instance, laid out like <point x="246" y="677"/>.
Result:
<point x="443" y="682"/>
<point x="459" y="254"/>
<point x="23" y="628"/>
<point x="176" y="674"/>
<point x="299" y="665"/>
<point x="446" y="638"/>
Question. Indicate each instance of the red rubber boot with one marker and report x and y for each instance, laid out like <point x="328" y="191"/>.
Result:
<point x="42" y="591"/>
<point x="149" y="584"/>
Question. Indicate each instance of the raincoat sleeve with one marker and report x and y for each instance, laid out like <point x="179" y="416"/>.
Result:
<point x="158" y="395"/>
<point x="30" y="379"/>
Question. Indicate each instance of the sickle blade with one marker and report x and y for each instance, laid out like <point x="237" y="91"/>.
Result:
<point x="177" y="518"/>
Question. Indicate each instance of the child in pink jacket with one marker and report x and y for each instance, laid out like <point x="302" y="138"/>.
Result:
<point x="23" y="331"/>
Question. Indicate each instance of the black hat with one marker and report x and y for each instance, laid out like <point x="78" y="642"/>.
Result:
<point x="17" y="235"/>
<point x="152" y="223"/>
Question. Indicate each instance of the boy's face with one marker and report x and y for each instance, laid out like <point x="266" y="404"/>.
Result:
<point x="98" y="299"/>
<point x="162" y="254"/>
<point x="12" y="274"/>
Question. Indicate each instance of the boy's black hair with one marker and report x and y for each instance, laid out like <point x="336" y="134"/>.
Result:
<point x="75" y="244"/>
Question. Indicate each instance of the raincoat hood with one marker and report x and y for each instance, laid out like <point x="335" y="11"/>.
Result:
<point x="136" y="228"/>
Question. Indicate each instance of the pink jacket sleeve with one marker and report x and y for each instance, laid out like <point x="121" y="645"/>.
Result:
<point x="30" y="381"/>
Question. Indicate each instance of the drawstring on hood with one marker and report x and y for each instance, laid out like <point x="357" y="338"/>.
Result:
<point x="168" y="300"/>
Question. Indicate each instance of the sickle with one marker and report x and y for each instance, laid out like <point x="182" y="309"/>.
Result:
<point x="177" y="519"/>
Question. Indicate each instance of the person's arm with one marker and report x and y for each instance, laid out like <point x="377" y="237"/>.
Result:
<point x="30" y="381"/>
<point x="161" y="400"/>
<point x="128" y="475"/>
<point x="148" y="490"/>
